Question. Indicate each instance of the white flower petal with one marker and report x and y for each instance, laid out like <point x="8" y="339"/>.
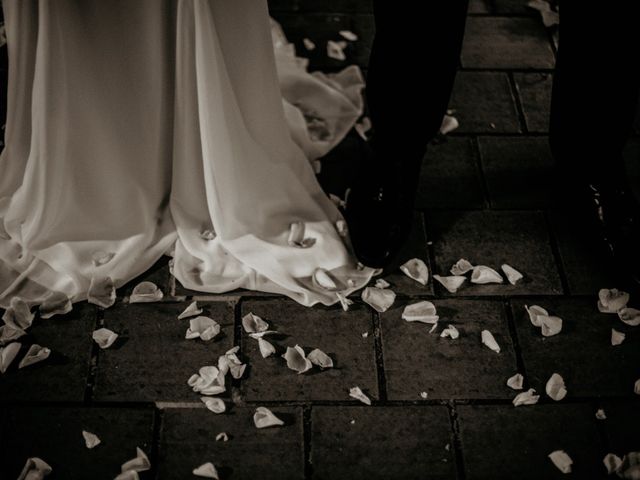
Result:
<point x="482" y="275"/>
<point x="204" y="328"/>
<point x="345" y="302"/>
<point x="535" y="312"/>
<point x="349" y="35"/>
<point x="18" y="315"/>
<point x="206" y="470"/>
<point x="222" y="437"/>
<point x="104" y="337"/>
<point x="128" y="475"/>
<point x="358" y="394"/>
<point x="424" y="395"/>
<point x="263" y="418"/>
<point x="380" y="299"/>
<point x="100" y="258"/>
<point x="362" y="127"/>
<point x="451" y="283"/>
<point x="461" y="267"/>
<point x="555" y="387"/>
<point x="308" y="44"/>
<point x="423" y="311"/>
<point x="630" y="466"/>
<point x="630" y="316"/>
<point x="8" y="334"/>
<point x="323" y="279"/>
<point x="35" y="354"/>
<point x="318" y="357"/>
<point x="335" y="50"/>
<point x="208" y="381"/>
<point x="297" y="238"/>
<point x="612" y="300"/>
<point x="449" y="124"/>
<point x="191" y="311"/>
<point x="253" y="323"/>
<point x="513" y="275"/>
<point x="561" y="460"/>
<point x="489" y="341"/>
<point x="91" y="440"/>
<point x="612" y="463"/>
<point x="55" y="304"/>
<point x="296" y="359"/>
<point x="216" y="405"/>
<point x="102" y="292"/>
<point x="382" y="283"/>
<point x="526" y="398"/>
<point x="550" y="325"/>
<point x="266" y="348"/>
<point x="146" y="292"/>
<point x="451" y="332"/>
<point x="7" y="355"/>
<point x="636" y="387"/>
<point x="341" y="227"/>
<point x="416" y="269"/>
<point x="515" y="382"/>
<point x="35" y="469"/>
<point x="262" y="334"/>
<point x="617" y="337"/>
<point x="140" y="463"/>
<point x="600" y="414"/>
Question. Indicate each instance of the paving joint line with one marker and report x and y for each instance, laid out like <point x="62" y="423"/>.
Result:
<point x="456" y="441"/>
<point x="379" y="357"/>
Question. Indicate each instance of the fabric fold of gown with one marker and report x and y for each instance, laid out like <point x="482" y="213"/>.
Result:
<point x="137" y="129"/>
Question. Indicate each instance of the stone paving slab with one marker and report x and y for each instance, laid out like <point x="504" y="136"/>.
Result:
<point x="502" y="42"/>
<point x="582" y="353"/>
<point x="342" y="6"/>
<point x="188" y="440"/>
<point x="417" y="361"/>
<point x="620" y="426"/>
<point x="450" y="177"/>
<point x="484" y="103"/>
<point x="152" y="361"/>
<point x="55" y="435"/>
<point x="519" y="171"/>
<point x="335" y="332"/>
<point x="534" y="90"/>
<point x="381" y="443"/>
<point x="505" y="442"/>
<point x="518" y="238"/>
<point x="69" y="338"/>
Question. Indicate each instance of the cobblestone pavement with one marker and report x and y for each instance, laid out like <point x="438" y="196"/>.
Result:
<point x="484" y="196"/>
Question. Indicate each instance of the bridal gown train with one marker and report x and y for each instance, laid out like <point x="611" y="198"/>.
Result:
<point x="137" y="129"/>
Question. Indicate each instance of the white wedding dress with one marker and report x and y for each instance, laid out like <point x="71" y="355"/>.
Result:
<point x="142" y="128"/>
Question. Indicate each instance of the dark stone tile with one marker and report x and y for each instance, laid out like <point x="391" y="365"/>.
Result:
<point x="335" y="332"/>
<point x="483" y="103"/>
<point x="582" y="353"/>
<point x="416" y="360"/>
<point x="151" y="360"/>
<point x="586" y="260"/>
<point x="381" y="443"/>
<point x="504" y="442"/>
<point x="620" y="426"/>
<point x="502" y="42"/>
<point x="519" y="171"/>
<point x="63" y="376"/>
<point x="512" y="7"/>
<point x="449" y="177"/>
<point x="332" y="6"/>
<point x="534" y="90"/>
<point x="518" y="238"/>
<point x="55" y="435"/>
<point x="188" y="440"/>
<point x="631" y="156"/>
<point x="479" y="6"/>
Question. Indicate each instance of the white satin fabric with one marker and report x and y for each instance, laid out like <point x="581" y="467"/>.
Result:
<point x="135" y="126"/>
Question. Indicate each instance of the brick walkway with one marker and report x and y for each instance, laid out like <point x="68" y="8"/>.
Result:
<point x="485" y="197"/>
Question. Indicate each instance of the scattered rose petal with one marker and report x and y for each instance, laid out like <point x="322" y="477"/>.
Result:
<point x="297" y="238"/>
<point x="208" y="381"/>
<point x="35" y="354"/>
<point x="55" y="304"/>
<point x="549" y="16"/>
<point x="191" y="311"/>
<point x="358" y="394"/>
<point x="222" y="437"/>
<point x="362" y="127"/>
<point x="7" y="355"/>
<point x="600" y="415"/>
<point x="296" y="359"/>
<point x="561" y="460"/>
<point x="266" y="348"/>
<point x="345" y="302"/>
<point x="449" y="124"/>
<point x="630" y="316"/>
<point x="461" y="267"/>
<point x="8" y="334"/>
<point x="262" y="334"/>
<point x="18" y="315"/>
<point x="128" y="475"/>
<point x="253" y="323"/>
<point x="550" y="325"/>
<point x="100" y="258"/>
<point x="535" y="312"/>
<point x="612" y="463"/>
<point x="349" y="35"/>
<point x="341" y="227"/>
<point x="630" y="466"/>
<point x="382" y="283"/>
<point x="416" y="269"/>
<point x="104" y="337"/>
<point x="617" y="337"/>
<point x="91" y="440"/>
<point x="636" y="387"/>
<point x="204" y="328"/>
<point x="35" y="469"/>
<point x="513" y="275"/>
<point x="555" y="387"/>
<point x="102" y="292"/>
<point x="489" y="341"/>
<point x="424" y="395"/>
<point x="526" y="398"/>
<point x="423" y="311"/>
<point x="146" y="292"/>
<point x="208" y="234"/>
<point x="451" y="332"/>
<point x="322" y="279"/>
<point x="482" y="275"/>
<point x="335" y="50"/>
<point x="451" y="283"/>
<point x="365" y="334"/>
<point x="433" y="328"/>
<point x="612" y="300"/>
<point x="206" y="470"/>
<point x="235" y="366"/>
<point x="216" y="405"/>
<point x="264" y="418"/>
<point x="319" y="358"/>
<point x="515" y="382"/>
<point x="380" y="299"/>
<point x="308" y="44"/>
<point x="139" y="464"/>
